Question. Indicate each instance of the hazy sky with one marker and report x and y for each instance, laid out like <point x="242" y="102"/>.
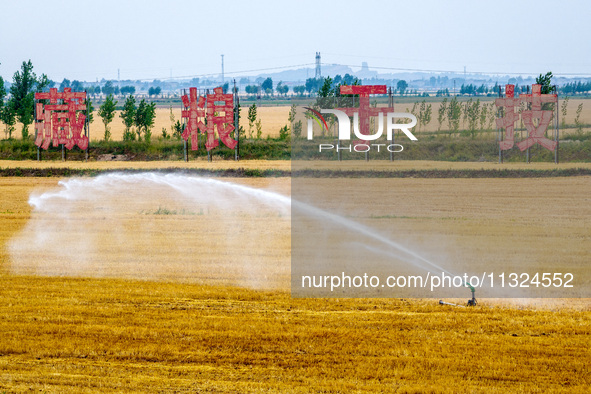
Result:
<point x="89" y="40"/>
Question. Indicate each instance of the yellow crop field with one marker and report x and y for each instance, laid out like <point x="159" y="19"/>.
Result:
<point x="286" y="165"/>
<point x="571" y="109"/>
<point x="330" y="224"/>
<point x="190" y="320"/>
<point x="272" y="119"/>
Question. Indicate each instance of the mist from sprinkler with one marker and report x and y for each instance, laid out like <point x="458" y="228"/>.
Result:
<point x="103" y="191"/>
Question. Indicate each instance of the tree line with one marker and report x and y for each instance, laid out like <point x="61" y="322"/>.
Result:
<point x="141" y="116"/>
<point x="576" y="88"/>
<point x="20" y="107"/>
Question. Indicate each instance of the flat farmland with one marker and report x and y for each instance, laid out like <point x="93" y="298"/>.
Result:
<point x="272" y="119"/>
<point x="194" y="318"/>
<point x="571" y="109"/>
<point x="286" y="165"/>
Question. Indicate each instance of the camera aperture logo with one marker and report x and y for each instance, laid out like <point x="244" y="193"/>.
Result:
<point x="361" y="123"/>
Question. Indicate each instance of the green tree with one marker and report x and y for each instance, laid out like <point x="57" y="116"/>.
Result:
<point x="284" y="133"/>
<point x="43" y="84"/>
<point x="252" y="89"/>
<point x="154" y="91"/>
<point x="2" y="93"/>
<point x="267" y="85"/>
<point x="144" y="119"/>
<point x="492" y="114"/>
<point x="425" y="113"/>
<point x="23" y="95"/>
<point x="442" y="113"/>
<point x="241" y="130"/>
<point x="473" y="110"/>
<point x="578" y="122"/>
<point x="65" y="84"/>
<point x="402" y="86"/>
<point x="128" y="115"/>
<point x="107" y="113"/>
<point x="546" y="82"/>
<point x="259" y="127"/>
<point x="563" y="110"/>
<point x="178" y="129"/>
<point x="415" y="112"/>
<point x="90" y="115"/>
<point x="108" y="88"/>
<point x="465" y="112"/>
<point x="454" y="112"/>
<point x="297" y="129"/>
<point x="77" y="86"/>
<point x="483" y="116"/>
<point x="125" y="90"/>
<point x="7" y="115"/>
<point x="326" y="90"/>
<point x="93" y="90"/>
<point x="299" y="90"/>
<point x="292" y="115"/>
<point x="281" y="88"/>
<point x="172" y="120"/>
<point x="252" y="117"/>
<point x="313" y="84"/>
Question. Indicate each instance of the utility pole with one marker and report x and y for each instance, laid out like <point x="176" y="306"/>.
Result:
<point x="222" y="70"/>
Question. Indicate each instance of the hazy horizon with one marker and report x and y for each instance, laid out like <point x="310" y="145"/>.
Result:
<point x="152" y="40"/>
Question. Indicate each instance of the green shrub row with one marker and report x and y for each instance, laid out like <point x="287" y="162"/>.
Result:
<point x="574" y="149"/>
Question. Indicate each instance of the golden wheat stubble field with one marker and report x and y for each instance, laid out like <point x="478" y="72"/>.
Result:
<point x="286" y="165"/>
<point x="69" y="334"/>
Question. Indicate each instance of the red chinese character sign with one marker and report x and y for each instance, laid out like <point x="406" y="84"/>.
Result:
<point x="535" y="119"/>
<point x="194" y="112"/>
<point x="536" y="133"/>
<point x="365" y="111"/>
<point x="209" y="114"/>
<point x="61" y="122"/>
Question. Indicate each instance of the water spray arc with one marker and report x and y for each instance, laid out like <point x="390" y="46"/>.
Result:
<point x="92" y="199"/>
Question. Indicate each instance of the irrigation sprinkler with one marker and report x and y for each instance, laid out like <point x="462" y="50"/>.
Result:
<point x="471" y="301"/>
<point x="441" y="302"/>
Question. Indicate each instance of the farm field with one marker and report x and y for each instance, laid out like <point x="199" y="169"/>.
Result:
<point x="572" y="105"/>
<point x="286" y="165"/>
<point x="202" y="327"/>
<point x="346" y="229"/>
<point x="274" y="117"/>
